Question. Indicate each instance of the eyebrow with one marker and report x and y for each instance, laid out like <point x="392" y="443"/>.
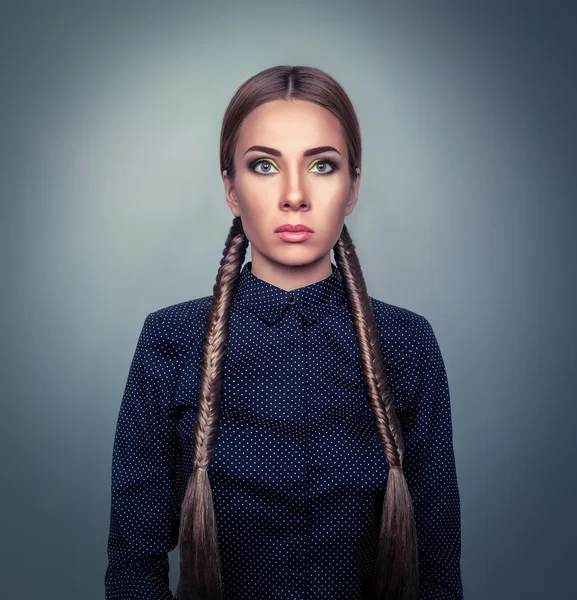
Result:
<point x="310" y="152"/>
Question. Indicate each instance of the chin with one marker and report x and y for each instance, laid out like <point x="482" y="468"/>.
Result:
<point x="300" y="259"/>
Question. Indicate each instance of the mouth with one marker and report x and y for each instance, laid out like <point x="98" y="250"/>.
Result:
<point x="294" y="236"/>
<point x="293" y="228"/>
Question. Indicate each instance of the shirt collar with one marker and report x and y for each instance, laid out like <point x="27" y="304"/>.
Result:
<point x="269" y="302"/>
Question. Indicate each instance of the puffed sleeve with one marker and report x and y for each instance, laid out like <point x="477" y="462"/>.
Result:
<point x="143" y="515"/>
<point x="432" y="478"/>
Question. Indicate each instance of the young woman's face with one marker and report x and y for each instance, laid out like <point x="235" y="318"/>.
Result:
<point x="292" y="180"/>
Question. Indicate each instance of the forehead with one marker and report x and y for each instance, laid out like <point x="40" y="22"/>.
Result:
<point x="297" y="124"/>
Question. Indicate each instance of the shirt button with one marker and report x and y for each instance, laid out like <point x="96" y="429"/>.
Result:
<point x="291" y="300"/>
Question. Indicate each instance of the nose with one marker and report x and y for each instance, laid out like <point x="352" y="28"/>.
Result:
<point x="294" y="194"/>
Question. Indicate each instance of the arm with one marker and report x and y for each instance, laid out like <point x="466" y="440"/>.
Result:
<point x="431" y="475"/>
<point x="143" y="515"/>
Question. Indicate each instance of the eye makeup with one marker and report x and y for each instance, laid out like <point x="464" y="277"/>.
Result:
<point x="326" y="160"/>
<point x="323" y="160"/>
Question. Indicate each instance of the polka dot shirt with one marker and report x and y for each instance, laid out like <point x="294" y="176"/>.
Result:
<point x="298" y="473"/>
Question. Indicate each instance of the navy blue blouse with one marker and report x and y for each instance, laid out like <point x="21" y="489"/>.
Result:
<point x="299" y="472"/>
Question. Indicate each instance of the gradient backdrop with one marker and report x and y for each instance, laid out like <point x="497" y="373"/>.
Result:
<point x="112" y="207"/>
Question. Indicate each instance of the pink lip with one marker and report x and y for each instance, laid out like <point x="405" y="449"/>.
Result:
<point x="294" y="236"/>
<point x="289" y="227"/>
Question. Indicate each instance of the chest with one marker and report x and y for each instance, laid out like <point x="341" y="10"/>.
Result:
<point x="293" y="407"/>
<point x="303" y="375"/>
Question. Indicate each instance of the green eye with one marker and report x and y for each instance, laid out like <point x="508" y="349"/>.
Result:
<point x="267" y="163"/>
<point x="326" y="163"/>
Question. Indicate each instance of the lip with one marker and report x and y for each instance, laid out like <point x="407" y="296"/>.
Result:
<point x="289" y="227"/>
<point x="294" y="236"/>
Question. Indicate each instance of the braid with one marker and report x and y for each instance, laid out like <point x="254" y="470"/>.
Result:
<point x="395" y="575"/>
<point x="200" y="575"/>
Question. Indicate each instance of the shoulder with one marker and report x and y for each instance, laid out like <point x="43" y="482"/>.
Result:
<point x="396" y="316"/>
<point x="178" y="327"/>
<point x="183" y="314"/>
<point x="407" y="331"/>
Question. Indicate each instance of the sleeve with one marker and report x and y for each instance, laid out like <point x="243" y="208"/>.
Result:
<point x="143" y="514"/>
<point x="432" y="478"/>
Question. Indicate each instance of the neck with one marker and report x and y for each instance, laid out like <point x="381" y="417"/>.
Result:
<point x="290" y="276"/>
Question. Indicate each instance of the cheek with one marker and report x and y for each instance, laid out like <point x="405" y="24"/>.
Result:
<point x="333" y="190"/>
<point x="254" y="196"/>
<point x="257" y="219"/>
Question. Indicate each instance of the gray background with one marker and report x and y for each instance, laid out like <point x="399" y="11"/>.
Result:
<point x="112" y="207"/>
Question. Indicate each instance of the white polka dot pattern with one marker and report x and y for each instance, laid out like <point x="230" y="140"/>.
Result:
<point x="298" y="474"/>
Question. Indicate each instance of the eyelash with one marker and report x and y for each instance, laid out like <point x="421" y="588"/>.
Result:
<point x="324" y="159"/>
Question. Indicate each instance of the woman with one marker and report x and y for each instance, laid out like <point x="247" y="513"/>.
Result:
<point x="290" y="433"/>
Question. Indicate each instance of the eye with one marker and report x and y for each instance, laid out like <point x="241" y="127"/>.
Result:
<point x="326" y="166"/>
<point x="267" y="164"/>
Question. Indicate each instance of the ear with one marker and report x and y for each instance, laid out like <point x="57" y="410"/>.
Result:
<point x="230" y="194"/>
<point x="353" y="194"/>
